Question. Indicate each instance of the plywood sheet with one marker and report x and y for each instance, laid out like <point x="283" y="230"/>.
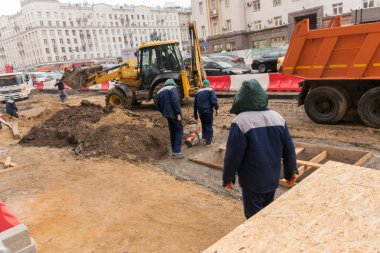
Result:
<point x="336" y="209"/>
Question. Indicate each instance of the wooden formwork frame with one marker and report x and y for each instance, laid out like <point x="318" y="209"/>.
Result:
<point x="304" y="166"/>
<point x="315" y="162"/>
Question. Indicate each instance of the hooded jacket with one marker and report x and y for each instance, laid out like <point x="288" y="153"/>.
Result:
<point x="11" y="107"/>
<point x="258" y="140"/>
<point x="168" y="101"/>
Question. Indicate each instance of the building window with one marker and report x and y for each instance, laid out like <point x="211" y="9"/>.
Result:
<point x="73" y="32"/>
<point x="257" y="25"/>
<point x="337" y="8"/>
<point x="51" y="32"/>
<point x="227" y="3"/>
<point x="41" y="23"/>
<point x="67" y="32"/>
<point x="218" y="48"/>
<point x="368" y="3"/>
<point x="68" y="41"/>
<point x="45" y="41"/>
<point x="44" y="33"/>
<point x="278" y="21"/>
<point x="215" y="28"/>
<point x="47" y="50"/>
<point x="39" y="14"/>
<point x="59" y="32"/>
<point x="201" y="8"/>
<point x="61" y="41"/>
<point x="278" y="41"/>
<point x="229" y="25"/>
<point x="49" y="59"/>
<point x="259" y="44"/>
<point x="256" y="5"/>
<point x="63" y="50"/>
<point x="47" y="14"/>
<point x="49" y="23"/>
<point x="57" y="58"/>
<point x="203" y="31"/>
<point x="64" y="23"/>
<point x="231" y="46"/>
<point x="276" y="3"/>
<point x="57" y="23"/>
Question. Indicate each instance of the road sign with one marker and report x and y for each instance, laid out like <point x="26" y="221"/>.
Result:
<point x="205" y="44"/>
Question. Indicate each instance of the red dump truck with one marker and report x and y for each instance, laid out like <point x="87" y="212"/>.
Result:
<point x="340" y="66"/>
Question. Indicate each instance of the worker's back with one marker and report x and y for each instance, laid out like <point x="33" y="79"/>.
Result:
<point x="258" y="140"/>
<point x="167" y="101"/>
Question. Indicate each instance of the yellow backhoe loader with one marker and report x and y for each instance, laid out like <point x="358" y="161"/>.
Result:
<point x="156" y="63"/>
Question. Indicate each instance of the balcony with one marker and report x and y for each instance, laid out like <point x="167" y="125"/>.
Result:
<point x="214" y="13"/>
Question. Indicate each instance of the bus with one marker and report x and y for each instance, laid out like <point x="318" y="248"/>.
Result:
<point x="15" y="84"/>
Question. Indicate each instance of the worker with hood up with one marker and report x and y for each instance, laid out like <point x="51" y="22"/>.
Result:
<point x="11" y="107"/>
<point x="258" y="140"/>
<point x="168" y="103"/>
<point x="204" y="104"/>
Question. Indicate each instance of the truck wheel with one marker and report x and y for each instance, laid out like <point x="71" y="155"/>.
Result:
<point x="117" y="98"/>
<point x="155" y="90"/>
<point x="262" y="68"/>
<point x="369" y="107"/>
<point x="327" y="105"/>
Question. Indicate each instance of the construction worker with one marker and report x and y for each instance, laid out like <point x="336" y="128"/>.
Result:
<point x="204" y="104"/>
<point x="61" y="89"/>
<point x="11" y="107"/>
<point x="258" y="140"/>
<point x="168" y="103"/>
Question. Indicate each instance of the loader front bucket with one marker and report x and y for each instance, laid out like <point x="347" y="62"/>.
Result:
<point x="79" y="77"/>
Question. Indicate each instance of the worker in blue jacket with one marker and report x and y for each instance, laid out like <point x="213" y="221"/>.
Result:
<point x="168" y="103"/>
<point x="258" y="140"/>
<point x="11" y="107"/>
<point x="204" y="104"/>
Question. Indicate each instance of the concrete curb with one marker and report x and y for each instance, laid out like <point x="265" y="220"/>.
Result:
<point x="18" y="240"/>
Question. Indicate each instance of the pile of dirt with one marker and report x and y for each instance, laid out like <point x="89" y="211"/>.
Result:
<point x="93" y="131"/>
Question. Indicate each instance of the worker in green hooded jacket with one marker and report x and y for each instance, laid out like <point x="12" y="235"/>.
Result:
<point x="258" y="143"/>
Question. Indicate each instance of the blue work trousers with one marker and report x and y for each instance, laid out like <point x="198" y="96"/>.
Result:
<point x="207" y="131"/>
<point x="253" y="202"/>
<point x="176" y="133"/>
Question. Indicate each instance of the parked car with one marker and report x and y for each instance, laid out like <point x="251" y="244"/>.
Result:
<point x="222" y="68"/>
<point x="267" y="62"/>
<point x="186" y="61"/>
<point x="233" y="58"/>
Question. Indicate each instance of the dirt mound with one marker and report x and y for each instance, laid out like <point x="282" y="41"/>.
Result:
<point x="95" y="132"/>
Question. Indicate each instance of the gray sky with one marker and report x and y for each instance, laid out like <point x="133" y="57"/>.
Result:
<point x="13" y="6"/>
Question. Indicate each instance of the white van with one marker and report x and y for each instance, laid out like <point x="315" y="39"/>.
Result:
<point x="14" y="84"/>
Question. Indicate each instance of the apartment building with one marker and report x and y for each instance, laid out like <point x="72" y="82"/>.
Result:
<point x="50" y="32"/>
<point x="242" y="24"/>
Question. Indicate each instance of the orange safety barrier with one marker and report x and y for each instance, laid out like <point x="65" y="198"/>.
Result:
<point x="7" y="219"/>
<point x="280" y="82"/>
<point x="220" y="83"/>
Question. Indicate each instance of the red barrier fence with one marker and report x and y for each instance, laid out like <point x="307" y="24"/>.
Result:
<point x="220" y="83"/>
<point x="280" y="82"/>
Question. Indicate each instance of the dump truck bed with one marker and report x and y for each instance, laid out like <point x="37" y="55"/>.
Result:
<point x="336" y="53"/>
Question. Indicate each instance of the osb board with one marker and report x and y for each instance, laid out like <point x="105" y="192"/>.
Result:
<point x="336" y="209"/>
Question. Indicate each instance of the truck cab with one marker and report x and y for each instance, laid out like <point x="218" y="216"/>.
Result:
<point x="13" y="84"/>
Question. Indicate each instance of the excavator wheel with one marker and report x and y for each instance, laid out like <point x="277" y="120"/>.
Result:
<point x="116" y="98"/>
<point x="155" y="90"/>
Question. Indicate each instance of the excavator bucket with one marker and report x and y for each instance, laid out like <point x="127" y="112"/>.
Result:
<point x="79" y="77"/>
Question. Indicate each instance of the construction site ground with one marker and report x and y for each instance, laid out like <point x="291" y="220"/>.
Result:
<point x="88" y="203"/>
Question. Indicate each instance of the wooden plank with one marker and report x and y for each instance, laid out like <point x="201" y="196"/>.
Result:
<point x="317" y="159"/>
<point x="315" y="216"/>
<point x="213" y="165"/>
<point x="10" y="165"/>
<point x="364" y="159"/>
<point x="299" y="150"/>
<point x="7" y="162"/>
<point x="15" y="130"/>
<point x="308" y="163"/>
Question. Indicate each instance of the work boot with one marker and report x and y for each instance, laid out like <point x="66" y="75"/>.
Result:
<point x="178" y="155"/>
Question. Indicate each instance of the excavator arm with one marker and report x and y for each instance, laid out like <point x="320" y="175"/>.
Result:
<point x="196" y="70"/>
<point x="87" y="77"/>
